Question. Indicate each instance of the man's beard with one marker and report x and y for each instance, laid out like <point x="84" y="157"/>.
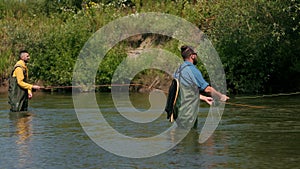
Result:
<point x="195" y="61"/>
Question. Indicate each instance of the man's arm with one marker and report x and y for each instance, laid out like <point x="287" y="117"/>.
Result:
<point x="20" y="79"/>
<point x="215" y="93"/>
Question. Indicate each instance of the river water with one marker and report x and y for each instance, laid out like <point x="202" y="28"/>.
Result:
<point x="265" y="134"/>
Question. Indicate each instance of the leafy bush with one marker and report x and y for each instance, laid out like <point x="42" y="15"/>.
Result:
<point x="258" y="41"/>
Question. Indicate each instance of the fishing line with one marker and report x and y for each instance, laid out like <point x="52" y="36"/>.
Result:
<point x="270" y="95"/>
<point x="246" y="105"/>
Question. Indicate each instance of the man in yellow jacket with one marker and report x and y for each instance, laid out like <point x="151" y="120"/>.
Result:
<point x="19" y="90"/>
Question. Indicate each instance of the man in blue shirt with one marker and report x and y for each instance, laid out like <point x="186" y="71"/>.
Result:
<point x="191" y="83"/>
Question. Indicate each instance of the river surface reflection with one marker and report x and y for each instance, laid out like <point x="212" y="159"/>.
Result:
<point x="50" y="136"/>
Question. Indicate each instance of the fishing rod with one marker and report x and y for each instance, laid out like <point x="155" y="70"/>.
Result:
<point x="270" y="95"/>
<point x="257" y="97"/>
<point x="246" y="105"/>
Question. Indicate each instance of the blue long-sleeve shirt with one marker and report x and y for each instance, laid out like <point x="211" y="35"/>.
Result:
<point x="189" y="75"/>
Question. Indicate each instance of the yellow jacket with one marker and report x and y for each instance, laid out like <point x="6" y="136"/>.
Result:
<point x="18" y="73"/>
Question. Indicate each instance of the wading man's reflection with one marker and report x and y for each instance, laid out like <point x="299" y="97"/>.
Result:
<point x="23" y="130"/>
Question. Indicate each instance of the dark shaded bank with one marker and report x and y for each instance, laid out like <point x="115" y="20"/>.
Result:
<point x="3" y="85"/>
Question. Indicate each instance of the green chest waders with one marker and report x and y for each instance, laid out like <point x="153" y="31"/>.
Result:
<point x="187" y="107"/>
<point x="17" y="96"/>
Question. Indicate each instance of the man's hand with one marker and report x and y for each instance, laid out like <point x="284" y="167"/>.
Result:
<point x="208" y="100"/>
<point x="29" y="95"/>
<point x="36" y="87"/>
<point x="224" y="98"/>
<point x="30" y="92"/>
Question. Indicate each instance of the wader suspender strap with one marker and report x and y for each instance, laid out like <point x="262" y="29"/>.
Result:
<point x="24" y="71"/>
<point x="180" y="70"/>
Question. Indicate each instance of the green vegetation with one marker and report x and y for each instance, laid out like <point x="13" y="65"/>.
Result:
<point x="257" y="40"/>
